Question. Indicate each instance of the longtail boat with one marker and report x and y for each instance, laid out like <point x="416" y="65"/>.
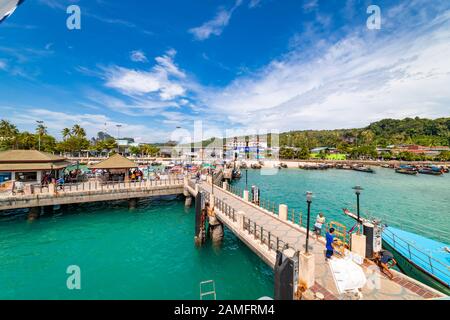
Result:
<point x="423" y="259"/>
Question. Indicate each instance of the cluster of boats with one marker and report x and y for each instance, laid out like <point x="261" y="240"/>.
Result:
<point x="325" y="166"/>
<point x="414" y="170"/>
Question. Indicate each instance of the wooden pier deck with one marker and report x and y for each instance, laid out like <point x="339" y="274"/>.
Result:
<point x="263" y="232"/>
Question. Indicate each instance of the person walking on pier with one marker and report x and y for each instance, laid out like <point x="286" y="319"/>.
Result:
<point x="329" y="245"/>
<point x="320" y="220"/>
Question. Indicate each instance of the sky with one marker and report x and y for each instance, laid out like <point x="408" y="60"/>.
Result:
<point x="236" y="65"/>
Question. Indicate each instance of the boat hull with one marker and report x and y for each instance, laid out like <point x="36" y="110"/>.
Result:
<point x="409" y="268"/>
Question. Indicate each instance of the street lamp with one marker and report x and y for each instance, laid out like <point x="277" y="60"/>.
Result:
<point x="39" y="122"/>
<point x="358" y="190"/>
<point x="246" y="178"/>
<point x="308" y="200"/>
<point x="118" y="136"/>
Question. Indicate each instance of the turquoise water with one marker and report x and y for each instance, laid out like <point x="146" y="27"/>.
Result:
<point x="147" y="253"/>
<point x="420" y="204"/>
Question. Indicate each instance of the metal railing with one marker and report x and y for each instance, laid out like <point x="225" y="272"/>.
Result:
<point x="265" y="237"/>
<point x="225" y="209"/>
<point x="91" y="186"/>
<point x="295" y="217"/>
<point x="435" y="267"/>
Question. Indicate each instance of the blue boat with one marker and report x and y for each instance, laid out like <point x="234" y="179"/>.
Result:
<point x="423" y="259"/>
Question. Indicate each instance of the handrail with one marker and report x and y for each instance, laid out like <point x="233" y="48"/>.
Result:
<point x="409" y="246"/>
<point x="91" y="186"/>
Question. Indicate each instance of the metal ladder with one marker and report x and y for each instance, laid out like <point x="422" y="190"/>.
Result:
<point x="207" y="293"/>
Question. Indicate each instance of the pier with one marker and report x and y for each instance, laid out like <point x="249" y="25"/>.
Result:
<point x="267" y="233"/>
<point x="92" y="191"/>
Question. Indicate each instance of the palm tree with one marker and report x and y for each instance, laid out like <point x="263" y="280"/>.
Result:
<point x="78" y="131"/>
<point x="65" y="133"/>
<point x="41" y="130"/>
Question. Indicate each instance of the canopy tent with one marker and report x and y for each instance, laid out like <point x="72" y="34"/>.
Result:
<point x="116" y="161"/>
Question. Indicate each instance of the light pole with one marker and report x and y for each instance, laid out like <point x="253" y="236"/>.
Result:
<point x="39" y="122"/>
<point x="308" y="200"/>
<point x="246" y="178"/>
<point x="358" y="190"/>
<point x="118" y="136"/>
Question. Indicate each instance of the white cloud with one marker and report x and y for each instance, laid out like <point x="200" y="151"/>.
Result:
<point x="310" y="5"/>
<point x="3" y="65"/>
<point x="92" y="123"/>
<point x="138" y="56"/>
<point x="216" y="25"/>
<point x="161" y="80"/>
<point x="359" y="79"/>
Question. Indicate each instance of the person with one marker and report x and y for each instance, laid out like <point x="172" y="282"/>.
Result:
<point x="320" y="220"/>
<point x="386" y="261"/>
<point x="329" y="245"/>
<point x="60" y="183"/>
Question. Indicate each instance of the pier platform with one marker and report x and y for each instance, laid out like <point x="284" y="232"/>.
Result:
<point x="264" y="232"/>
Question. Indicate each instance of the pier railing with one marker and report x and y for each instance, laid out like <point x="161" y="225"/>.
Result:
<point x="265" y="237"/>
<point x="436" y="267"/>
<point x="225" y="209"/>
<point x="295" y="217"/>
<point x="87" y="187"/>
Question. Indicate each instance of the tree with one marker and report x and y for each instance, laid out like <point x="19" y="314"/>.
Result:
<point x="8" y="135"/>
<point x="65" y="133"/>
<point x="135" y="150"/>
<point x="78" y="131"/>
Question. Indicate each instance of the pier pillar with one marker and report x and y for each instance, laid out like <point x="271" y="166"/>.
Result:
<point x="241" y="219"/>
<point x="307" y="269"/>
<point x="246" y="195"/>
<point x="200" y="219"/>
<point x="283" y="212"/>
<point x="188" y="201"/>
<point x="34" y="213"/>
<point x="215" y="229"/>
<point x="358" y="244"/>
<point x="52" y="189"/>
<point x="285" y="275"/>
<point x="132" y="203"/>
<point x="225" y="185"/>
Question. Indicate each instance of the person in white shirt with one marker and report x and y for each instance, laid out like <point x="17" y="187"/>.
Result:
<point x="320" y="220"/>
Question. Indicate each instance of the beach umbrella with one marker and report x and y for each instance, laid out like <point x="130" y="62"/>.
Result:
<point x="7" y="7"/>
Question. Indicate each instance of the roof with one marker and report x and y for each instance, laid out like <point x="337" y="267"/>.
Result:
<point x="34" y="166"/>
<point x="116" y="161"/>
<point x="30" y="160"/>
<point x="28" y="156"/>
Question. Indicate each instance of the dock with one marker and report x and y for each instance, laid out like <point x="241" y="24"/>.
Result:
<point x="265" y="233"/>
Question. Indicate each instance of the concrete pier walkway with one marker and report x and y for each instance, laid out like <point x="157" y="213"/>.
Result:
<point x="263" y="232"/>
<point x="91" y="191"/>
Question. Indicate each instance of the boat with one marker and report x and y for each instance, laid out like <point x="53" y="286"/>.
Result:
<point x="283" y="165"/>
<point x="256" y="166"/>
<point x="236" y="174"/>
<point x="430" y="171"/>
<point x="343" y="167"/>
<point x="363" y="169"/>
<point x="406" y="171"/>
<point x="421" y="258"/>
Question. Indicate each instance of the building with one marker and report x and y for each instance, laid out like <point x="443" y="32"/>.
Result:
<point x="30" y="166"/>
<point x="415" y="149"/>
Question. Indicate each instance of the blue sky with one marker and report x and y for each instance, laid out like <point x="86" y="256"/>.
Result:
<point x="237" y="65"/>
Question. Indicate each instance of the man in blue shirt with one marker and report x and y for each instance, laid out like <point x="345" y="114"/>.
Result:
<point x="329" y="246"/>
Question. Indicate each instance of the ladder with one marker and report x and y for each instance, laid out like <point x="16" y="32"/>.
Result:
<point x="209" y="284"/>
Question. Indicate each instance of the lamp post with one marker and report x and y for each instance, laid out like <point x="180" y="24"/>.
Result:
<point x="118" y="136"/>
<point x="246" y="179"/>
<point x="39" y="122"/>
<point x="358" y="190"/>
<point x="308" y="200"/>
